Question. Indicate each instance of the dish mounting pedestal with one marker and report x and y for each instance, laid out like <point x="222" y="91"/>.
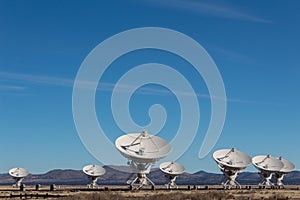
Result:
<point x="141" y="170"/>
<point x="230" y="176"/>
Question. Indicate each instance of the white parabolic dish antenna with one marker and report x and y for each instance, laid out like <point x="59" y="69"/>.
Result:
<point x="171" y="170"/>
<point x="267" y="165"/>
<point x="142" y="151"/>
<point x="287" y="168"/>
<point x="18" y="174"/>
<point x="231" y="162"/>
<point x="143" y="147"/>
<point x="93" y="172"/>
<point x="232" y="158"/>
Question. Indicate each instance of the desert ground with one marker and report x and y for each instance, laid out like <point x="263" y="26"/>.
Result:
<point x="160" y="193"/>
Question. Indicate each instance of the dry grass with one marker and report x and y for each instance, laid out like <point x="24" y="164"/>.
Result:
<point x="186" y="195"/>
<point x="213" y="193"/>
<point x="151" y="196"/>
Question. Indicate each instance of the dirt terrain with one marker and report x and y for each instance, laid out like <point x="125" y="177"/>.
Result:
<point x="122" y="192"/>
<point x="192" y="194"/>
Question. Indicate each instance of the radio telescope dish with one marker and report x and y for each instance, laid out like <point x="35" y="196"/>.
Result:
<point x="171" y="171"/>
<point x="267" y="165"/>
<point x="18" y="174"/>
<point x="142" y="151"/>
<point x="231" y="162"/>
<point x="287" y="168"/>
<point x="93" y="172"/>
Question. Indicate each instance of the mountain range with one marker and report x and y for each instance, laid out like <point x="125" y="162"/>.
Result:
<point x="113" y="176"/>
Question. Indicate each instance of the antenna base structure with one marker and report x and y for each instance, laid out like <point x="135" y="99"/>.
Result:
<point x="18" y="182"/>
<point x="142" y="151"/>
<point x="93" y="183"/>
<point x="230" y="176"/>
<point x="279" y="178"/>
<point x="171" y="181"/>
<point x="231" y="162"/>
<point x="141" y="169"/>
<point x="266" y="177"/>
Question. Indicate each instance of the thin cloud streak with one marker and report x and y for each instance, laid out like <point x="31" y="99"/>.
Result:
<point x="109" y="87"/>
<point x="232" y="55"/>
<point x="209" y="9"/>
<point x="37" y="79"/>
<point x="11" y="87"/>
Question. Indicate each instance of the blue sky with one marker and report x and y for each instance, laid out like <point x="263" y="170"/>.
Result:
<point x="255" y="45"/>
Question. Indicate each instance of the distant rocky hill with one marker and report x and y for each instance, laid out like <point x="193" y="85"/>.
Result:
<point x="116" y="177"/>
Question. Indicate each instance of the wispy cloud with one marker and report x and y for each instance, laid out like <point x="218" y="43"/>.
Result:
<point x="36" y="79"/>
<point x="65" y="82"/>
<point x="208" y="8"/>
<point x="11" y="87"/>
<point x="231" y="55"/>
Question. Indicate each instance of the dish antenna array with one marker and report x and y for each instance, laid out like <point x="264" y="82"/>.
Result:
<point x="171" y="171"/>
<point x="231" y="162"/>
<point x="269" y="166"/>
<point x="142" y="151"/>
<point x="18" y="174"/>
<point x="93" y="172"/>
